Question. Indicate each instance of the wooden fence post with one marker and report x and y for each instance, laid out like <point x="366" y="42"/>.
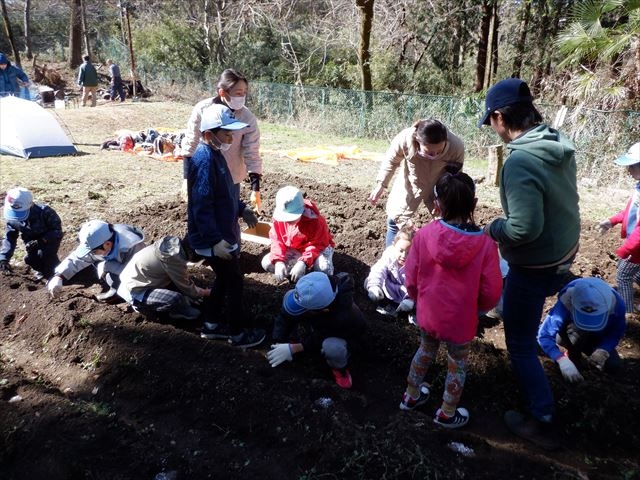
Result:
<point x="496" y="156"/>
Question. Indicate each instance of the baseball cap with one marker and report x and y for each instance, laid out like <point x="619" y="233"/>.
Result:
<point x="591" y="299"/>
<point x="503" y="94"/>
<point x="3" y="59"/>
<point x="312" y="292"/>
<point x="631" y="157"/>
<point x="17" y="204"/>
<point x="92" y="234"/>
<point x="219" y="116"/>
<point x="289" y="204"/>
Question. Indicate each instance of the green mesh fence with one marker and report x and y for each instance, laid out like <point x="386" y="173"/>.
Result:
<point x="599" y="135"/>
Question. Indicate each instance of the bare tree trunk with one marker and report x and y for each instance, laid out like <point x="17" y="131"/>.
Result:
<point x="9" y="32"/>
<point x="207" y="30"/>
<point x="493" y="72"/>
<point x="220" y="47"/>
<point x="516" y="70"/>
<point x="364" y="52"/>
<point x="27" y="28"/>
<point x="483" y="45"/>
<point x="85" y="30"/>
<point x="75" y="34"/>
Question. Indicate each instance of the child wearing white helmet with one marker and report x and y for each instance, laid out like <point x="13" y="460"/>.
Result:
<point x="40" y="228"/>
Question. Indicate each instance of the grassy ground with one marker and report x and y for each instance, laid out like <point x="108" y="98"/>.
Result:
<point x="98" y="182"/>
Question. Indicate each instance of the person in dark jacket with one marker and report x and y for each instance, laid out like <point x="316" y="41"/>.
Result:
<point x="117" y="87"/>
<point x="40" y="228"/>
<point x="335" y="322"/>
<point x="88" y="80"/>
<point x="538" y="237"/>
<point x="12" y="79"/>
<point x="213" y="230"/>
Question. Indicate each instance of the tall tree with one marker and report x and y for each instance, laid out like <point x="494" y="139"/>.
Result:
<point x="483" y="45"/>
<point x="75" y="34"/>
<point x="525" y="15"/>
<point x="364" y="53"/>
<point x="8" y="30"/>
<point x="27" y="29"/>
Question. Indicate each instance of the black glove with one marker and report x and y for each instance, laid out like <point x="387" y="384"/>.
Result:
<point x="32" y="245"/>
<point x="5" y="267"/>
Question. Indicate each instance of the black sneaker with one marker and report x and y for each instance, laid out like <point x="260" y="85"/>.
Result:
<point x="215" y="331"/>
<point x="248" y="338"/>
<point x="409" y="403"/>
<point x="185" y="313"/>
<point x="542" y="434"/>
<point x="457" y="420"/>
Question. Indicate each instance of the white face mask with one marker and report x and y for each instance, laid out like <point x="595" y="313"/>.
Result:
<point x="224" y="147"/>
<point x="236" y="103"/>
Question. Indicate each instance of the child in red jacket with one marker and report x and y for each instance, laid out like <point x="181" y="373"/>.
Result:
<point x="453" y="272"/>
<point x="629" y="252"/>
<point x="300" y="238"/>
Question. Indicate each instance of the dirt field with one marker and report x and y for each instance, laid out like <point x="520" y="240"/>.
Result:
<point x="105" y="393"/>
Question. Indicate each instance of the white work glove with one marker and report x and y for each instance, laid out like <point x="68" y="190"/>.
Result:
<point x="406" y="305"/>
<point x="223" y="250"/>
<point x="298" y="271"/>
<point x="54" y="286"/>
<point x="569" y="370"/>
<point x="598" y="358"/>
<point x="100" y="268"/>
<point x="249" y="217"/>
<point x="281" y="271"/>
<point x="604" y="226"/>
<point x="279" y="353"/>
<point x="375" y="294"/>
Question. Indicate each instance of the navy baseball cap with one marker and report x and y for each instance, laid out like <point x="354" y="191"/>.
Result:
<point x="503" y="94"/>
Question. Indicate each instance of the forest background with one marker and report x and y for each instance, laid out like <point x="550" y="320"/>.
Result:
<point x="365" y="68"/>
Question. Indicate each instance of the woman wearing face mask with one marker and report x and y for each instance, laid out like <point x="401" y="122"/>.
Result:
<point x="424" y="152"/>
<point x="242" y="154"/>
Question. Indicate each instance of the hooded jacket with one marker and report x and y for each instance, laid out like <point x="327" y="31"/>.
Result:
<point x="214" y="208"/>
<point x="43" y="223"/>
<point x="417" y="175"/>
<point x="628" y="217"/>
<point x="9" y="78"/>
<point x="388" y="275"/>
<point x="539" y="196"/>
<point x="128" y="241"/>
<point x="310" y="236"/>
<point x="452" y="274"/>
<point x="244" y="155"/>
<point x="157" y="266"/>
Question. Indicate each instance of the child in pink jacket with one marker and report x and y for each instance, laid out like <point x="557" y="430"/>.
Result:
<point x="453" y="272"/>
<point x="300" y="238"/>
<point x="628" y="253"/>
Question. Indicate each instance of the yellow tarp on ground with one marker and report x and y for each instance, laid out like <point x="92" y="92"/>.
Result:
<point x="331" y="154"/>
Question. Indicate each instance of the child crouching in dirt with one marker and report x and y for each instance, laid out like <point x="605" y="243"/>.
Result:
<point x="106" y="246"/>
<point x="385" y="283"/>
<point x="157" y="280"/>
<point x="41" y="231"/>
<point x="628" y="270"/>
<point x="300" y="238"/>
<point x="453" y="272"/>
<point x="588" y="318"/>
<point x="335" y="323"/>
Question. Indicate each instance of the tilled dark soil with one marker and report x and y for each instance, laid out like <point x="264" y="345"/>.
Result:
<point x="94" y="391"/>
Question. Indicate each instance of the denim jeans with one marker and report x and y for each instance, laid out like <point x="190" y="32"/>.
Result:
<point x="525" y="292"/>
<point x="392" y="229"/>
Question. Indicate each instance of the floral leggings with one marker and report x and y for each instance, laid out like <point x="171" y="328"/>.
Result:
<point x="457" y="355"/>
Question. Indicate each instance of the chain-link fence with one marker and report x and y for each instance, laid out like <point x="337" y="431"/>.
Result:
<point x="599" y="135"/>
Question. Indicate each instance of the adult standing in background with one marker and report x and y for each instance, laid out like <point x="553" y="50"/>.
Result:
<point x="538" y="238"/>
<point x="243" y="155"/>
<point x="88" y="80"/>
<point x="117" y="87"/>
<point x="423" y="151"/>
<point x="12" y="79"/>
